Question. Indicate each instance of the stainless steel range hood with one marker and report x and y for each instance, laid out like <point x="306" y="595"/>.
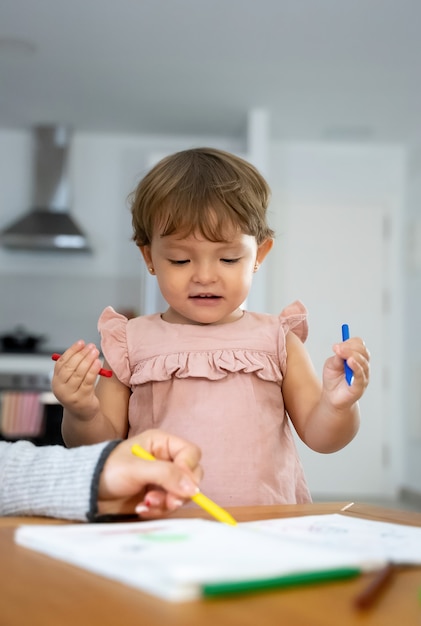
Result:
<point x="48" y="225"/>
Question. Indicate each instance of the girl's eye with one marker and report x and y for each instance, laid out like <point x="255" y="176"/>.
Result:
<point x="230" y="261"/>
<point x="183" y="262"/>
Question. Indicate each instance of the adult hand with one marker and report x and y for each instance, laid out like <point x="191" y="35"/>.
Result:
<point x="150" y="488"/>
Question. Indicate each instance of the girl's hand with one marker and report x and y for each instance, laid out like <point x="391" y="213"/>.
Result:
<point x="75" y="375"/>
<point x="354" y="351"/>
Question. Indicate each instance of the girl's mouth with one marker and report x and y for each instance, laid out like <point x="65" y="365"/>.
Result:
<point x="204" y="296"/>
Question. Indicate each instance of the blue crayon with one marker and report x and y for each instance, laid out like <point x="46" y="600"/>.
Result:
<point x="349" y="374"/>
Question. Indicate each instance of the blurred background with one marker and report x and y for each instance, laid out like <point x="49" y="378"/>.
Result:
<point x="323" y="96"/>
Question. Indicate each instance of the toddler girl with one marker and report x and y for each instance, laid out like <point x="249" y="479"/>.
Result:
<point x="207" y="370"/>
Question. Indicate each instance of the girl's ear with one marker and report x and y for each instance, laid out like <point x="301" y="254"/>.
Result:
<point x="264" y="249"/>
<point x="146" y="253"/>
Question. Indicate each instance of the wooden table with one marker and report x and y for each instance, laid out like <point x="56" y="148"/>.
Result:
<point x="40" y="591"/>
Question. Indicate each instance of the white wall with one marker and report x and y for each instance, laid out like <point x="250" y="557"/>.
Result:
<point x="411" y="396"/>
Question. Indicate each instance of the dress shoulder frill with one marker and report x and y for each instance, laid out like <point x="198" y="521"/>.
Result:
<point x="112" y="327"/>
<point x="211" y="354"/>
<point x="293" y="318"/>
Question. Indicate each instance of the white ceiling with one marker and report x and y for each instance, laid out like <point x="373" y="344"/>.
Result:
<point x="344" y="69"/>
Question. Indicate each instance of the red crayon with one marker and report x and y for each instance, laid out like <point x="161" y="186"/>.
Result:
<point x="102" y="371"/>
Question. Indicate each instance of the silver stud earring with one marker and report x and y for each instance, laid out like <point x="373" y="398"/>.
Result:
<point x="256" y="267"/>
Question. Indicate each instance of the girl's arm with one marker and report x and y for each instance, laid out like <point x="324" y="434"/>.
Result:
<point x="325" y="414"/>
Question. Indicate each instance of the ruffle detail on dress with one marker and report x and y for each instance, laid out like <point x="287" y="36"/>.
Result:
<point x="119" y="336"/>
<point x="212" y="365"/>
<point x="114" y="342"/>
<point x="294" y="317"/>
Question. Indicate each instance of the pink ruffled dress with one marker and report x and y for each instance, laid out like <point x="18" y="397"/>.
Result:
<point x="220" y="387"/>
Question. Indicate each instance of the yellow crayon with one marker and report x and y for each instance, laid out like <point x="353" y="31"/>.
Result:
<point x="203" y="501"/>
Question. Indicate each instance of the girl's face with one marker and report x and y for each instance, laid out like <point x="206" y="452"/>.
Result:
<point x="204" y="282"/>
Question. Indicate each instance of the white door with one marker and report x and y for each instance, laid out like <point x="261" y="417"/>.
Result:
<point x="336" y="264"/>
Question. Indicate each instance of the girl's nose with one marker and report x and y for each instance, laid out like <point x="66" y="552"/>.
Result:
<point x="204" y="273"/>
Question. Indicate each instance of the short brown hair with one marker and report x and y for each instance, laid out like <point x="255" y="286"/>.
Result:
<point x="201" y="190"/>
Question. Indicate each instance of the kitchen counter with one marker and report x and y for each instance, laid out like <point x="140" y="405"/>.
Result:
<point x="34" y="363"/>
